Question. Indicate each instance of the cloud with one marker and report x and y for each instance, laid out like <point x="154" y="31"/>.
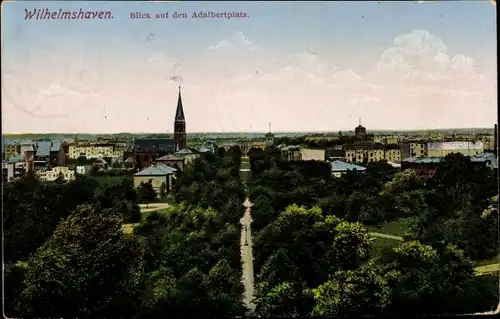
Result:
<point x="58" y="90"/>
<point x="416" y="83"/>
<point x="238" y="42"/>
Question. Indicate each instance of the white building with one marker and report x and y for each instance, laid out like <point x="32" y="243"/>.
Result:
<point x="158" y="174"/>
<point x="83" y="169"/>
<point x="309" y="154"/>
<point x="52" y="174"/>
<point x="11" y="171"/>
<point x="467" y="148"/>
<point x="338" y="168"/>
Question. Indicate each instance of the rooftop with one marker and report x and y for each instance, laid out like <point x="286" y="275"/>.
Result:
<point x="423" y="160"/>
<point x="169" y="157"/>
<point x="154" y="145"/>
<point x="157" y="170"/>
<point x="184" y="151"/>
<point x="341" y="166"/>
<point x="486" y="157"/>
<point x="43" y="148"/>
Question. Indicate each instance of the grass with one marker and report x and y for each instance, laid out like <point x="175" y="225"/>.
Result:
<point x="485" y="262"/>
<point x="487" y="266"/>
<point x="381" y="245"/>
<point x="395" y="228"/>
<point x="487" y="269"/>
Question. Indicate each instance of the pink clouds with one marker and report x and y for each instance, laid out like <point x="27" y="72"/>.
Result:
<point x="416" y="83"/>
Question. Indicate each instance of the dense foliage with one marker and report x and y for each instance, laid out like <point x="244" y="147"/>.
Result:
<point x="312" y="250"/>
<point x="67" y="254"/>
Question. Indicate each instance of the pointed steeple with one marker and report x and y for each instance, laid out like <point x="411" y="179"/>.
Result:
<point x="179" y="114"/>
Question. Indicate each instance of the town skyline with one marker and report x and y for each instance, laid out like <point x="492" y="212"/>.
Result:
<point x="425" y="70"/>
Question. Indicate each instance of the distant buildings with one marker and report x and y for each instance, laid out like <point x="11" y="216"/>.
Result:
<point x="44" y="154"/>
<point x="12" y="170"/>
<point x="361" y="136"/>
<point x="309" y="154"/>
<point x="290" y="153"/>
<point x="52" y="174"/>
<point x="208" y="147"/>
<point x="145" y="151"/>
<point x="429" y="165"/>
<point x="339" y="168"/>
<point x="269" y="139"/>
<point x="171" y="160"/>
<point x="158" y="174"/>
<point x="297" y="153"/>
<point x="90" y="150"/>
<point x="423" y="165"/>
<point x="9" y="150"/>
<point x="372" y="152"/>
<point x="244" y="144"/>
<point x="187" y="155"/>
<point x="441" y="149"/>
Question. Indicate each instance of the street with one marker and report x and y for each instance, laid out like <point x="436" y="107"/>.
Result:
<point x="247" y="257"/>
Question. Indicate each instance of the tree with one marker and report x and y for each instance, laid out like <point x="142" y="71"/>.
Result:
<point x="193" y="254"/>
<point x="221" y="151"/>
<point x="89" y="268"/>
<point x="424" y="281"/>
<point x="302" y="247"/>
<point x="286" y="299"/>
<point x="82" y="160"/>
<point x="350" y="293"/>
<point x="450" y="212"/>
<point x="146" y="192"/>
<point x="28" y="224"/>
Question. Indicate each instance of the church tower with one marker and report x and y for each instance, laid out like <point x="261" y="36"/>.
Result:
<point x="180" y="125"/>
<point x="269" y="141"/>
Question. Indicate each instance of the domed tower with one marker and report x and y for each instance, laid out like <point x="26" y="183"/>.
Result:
<point x="269" y="138"/>
<point x="360" y="132"/>
<point x="180" y="125"/>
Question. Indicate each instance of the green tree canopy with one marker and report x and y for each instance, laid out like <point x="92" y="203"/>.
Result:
<point x="88" y="268"/>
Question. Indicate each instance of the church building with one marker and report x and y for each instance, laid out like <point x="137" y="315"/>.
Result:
<point x="146" y="151"/>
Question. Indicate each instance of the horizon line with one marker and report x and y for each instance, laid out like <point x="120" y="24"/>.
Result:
<point x="250" y="132"/>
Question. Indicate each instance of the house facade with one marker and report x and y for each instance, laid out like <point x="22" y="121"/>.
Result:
<point x="158" y="174"/>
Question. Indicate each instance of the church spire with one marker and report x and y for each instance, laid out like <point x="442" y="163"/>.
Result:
<point x="179" y="114"/>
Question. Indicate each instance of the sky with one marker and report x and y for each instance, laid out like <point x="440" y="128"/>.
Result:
<point x="301" y="66"/>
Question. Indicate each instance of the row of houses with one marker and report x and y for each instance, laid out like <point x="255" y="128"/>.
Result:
<point x="424" y="165"/>
<point x="64" y="151"/>
<point x="374" y="152"/>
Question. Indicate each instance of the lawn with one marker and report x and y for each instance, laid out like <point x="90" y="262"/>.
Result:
<point x="396" y="228"/>
<point x="488" y="266"/>
<point x="381" y="245"/>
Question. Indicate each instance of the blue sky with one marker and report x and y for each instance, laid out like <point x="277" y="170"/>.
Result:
<point x="320" y="41"/>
